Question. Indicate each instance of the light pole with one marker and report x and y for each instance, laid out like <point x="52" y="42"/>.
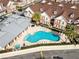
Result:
<point x="41" y="55"/>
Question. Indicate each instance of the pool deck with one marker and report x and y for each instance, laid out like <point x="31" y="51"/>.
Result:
<point x="32" y="30"/>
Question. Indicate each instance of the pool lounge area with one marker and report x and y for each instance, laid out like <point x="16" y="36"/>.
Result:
<point x="40" y="35"/>
<point x="34" y="36"/>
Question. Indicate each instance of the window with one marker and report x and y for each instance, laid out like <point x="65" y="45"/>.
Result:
<point x="43" y="17"/>
<point x="62" y="27"/>
<point x="30" y="12"/>
<point x="46" y="18"/>
<point x="62" y="22"/>
<point x="59" y="21"/>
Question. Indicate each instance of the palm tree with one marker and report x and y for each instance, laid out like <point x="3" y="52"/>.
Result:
<point x="71" y="33"/>
<point x="19" y="8"/>
<point x="36" y="17"/>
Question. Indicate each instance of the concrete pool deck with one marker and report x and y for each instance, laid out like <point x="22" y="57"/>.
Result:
<point x="37" y="49"/>
<point x="32" y="30"/>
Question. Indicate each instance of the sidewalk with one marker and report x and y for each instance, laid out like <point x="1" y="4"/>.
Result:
<point x="37" y="49"/>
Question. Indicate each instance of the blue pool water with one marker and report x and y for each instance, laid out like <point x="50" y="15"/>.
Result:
<point x="17" y="46"/>
<point x="40" y="35"/>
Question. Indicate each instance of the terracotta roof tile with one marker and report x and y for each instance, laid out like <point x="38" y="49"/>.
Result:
<point x="46" y="8"/>
<point x="66" y="10"/>
<point x="4" y="2"/>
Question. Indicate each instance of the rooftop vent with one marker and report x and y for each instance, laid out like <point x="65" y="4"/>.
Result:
<point x="43" y="1"/>
<point x="72" y="15"/>
<point x="49" y="3"/>
<point x="41" y="10"/>
<point x="55" y="12"/>
<point x="74" y="7"/>
<point x="61" y="5"/>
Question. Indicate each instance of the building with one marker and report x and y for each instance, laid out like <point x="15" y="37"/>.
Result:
<point x="68" y="1"/>
<point x="10" y="5"/>
<point x="3" y="4"/>
<point x="48" y="9"/>
<point x="60" y="22"/>
<point x="10" y="27"/>
<point x="70" y="15"/>
<point x="59" y="14"/>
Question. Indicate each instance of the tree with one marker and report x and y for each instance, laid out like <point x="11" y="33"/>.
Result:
<point x="19" y="8"/>
<point x="36" y="17"/>
<point x="71" y="33"/>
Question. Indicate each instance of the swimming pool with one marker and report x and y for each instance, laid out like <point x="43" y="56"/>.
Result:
<point x="17" y="46"/>
<point x="40" y="35"/>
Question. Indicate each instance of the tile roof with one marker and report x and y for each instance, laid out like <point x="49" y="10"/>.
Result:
<point x="46" y="7"/>
<point x="64" y="10"/>
<point x="4" y="2"/>
<point x="49" y="9"/>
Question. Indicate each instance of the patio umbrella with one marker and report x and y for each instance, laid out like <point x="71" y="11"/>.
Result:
<point x="17" y="46"/>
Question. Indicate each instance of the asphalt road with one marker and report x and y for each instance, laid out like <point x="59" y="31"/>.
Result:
<point x="65" y="54"/>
